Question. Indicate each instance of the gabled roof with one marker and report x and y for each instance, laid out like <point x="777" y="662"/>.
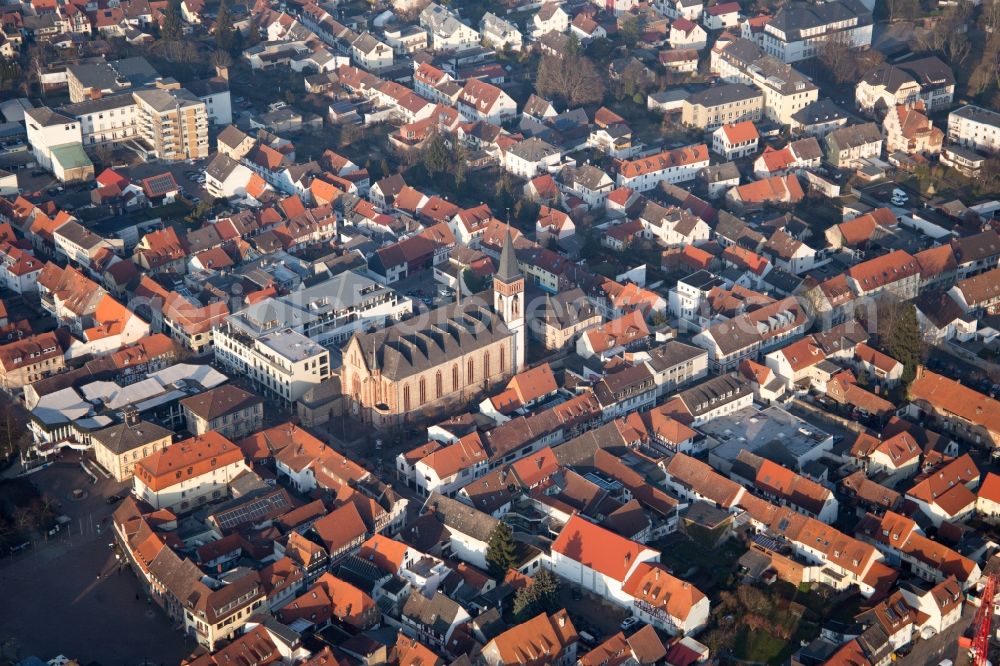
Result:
<point x="600" y="549"/>
<point x="654" y="585"/>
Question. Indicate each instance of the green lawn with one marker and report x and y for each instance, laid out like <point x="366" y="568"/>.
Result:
<point x="759" y="646"/>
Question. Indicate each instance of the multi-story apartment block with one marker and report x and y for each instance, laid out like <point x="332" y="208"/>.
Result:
<point x="446" y="31"/>
<point x="329" y="312"/>
<point x="717" y="106"/>
<point x="926" y="79"/>
<point x="975" y="127"/>
<point x="109" y="120"/>
<point x="282" y="364"/>
<point x="847" y="146"/>
<point x="500" y="33"/>
<point x="94" y="80"/>
<point x="173" y="124"/>
<point x="786" y="91"/>
<point x="799" y="29"/>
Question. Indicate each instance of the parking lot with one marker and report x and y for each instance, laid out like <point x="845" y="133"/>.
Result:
<point x="181" y="172"/>
<point x="65" y="595"/>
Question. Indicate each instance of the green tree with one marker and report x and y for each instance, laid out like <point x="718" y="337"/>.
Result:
<point x="436" y="156"/>
<point x="10" y="72"/>
<point x="629" y="30"/>
<point x="198" y="213"/>
<point x="905" y="343"/>
<point x="526" y="603"/>
<point x="460" y="165"/>
<point x="547" y="590"/>
<point x="501" y="550"/>
<point x="224" y="29"/>
<point x="221" y="60"/>
<point x="505" y="192"/>
<point x="172" y="29"/>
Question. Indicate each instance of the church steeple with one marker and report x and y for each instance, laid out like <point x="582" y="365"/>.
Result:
<point x="508" y="298"/>
<point x="508" y="270"/>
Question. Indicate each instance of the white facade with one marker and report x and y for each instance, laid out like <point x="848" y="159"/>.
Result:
<point x="723" y="145"/>
<point x="190" y="491"/>
<point x="500" y="34"/>
<point x="284" y="364"/>
<point x="805" y="41"/>
<point x="975" y="127"/>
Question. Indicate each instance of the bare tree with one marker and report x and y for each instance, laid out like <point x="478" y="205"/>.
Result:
<point x="571" y="78"/>
<point x="221" y="60"/>
<point x="838" y="58"/>
<point x="957" y="47"/>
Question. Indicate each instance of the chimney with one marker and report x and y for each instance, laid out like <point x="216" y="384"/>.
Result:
<point x="562" y="620"/>
<point x="222" y="72"/>
<point x="131" y="416"/>
<point x="628" y="558"/>
<point x="657" y="574"/>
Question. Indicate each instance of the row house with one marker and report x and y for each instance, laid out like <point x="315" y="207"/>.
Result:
<point x="750" y="334"/>
<point x="672" y="166"/>
<point x="903" y="543"/>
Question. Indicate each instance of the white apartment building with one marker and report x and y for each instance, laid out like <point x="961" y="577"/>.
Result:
<point x="446" y="31"/>
<point x="975" y="127"/>
<point x="107" y="121"/>
<point x="786" y="90"/>
<point x="686" y="298"/>
<point x="799" y="29"/>
<point x="282" y="364"/>
<point x="531" y="157"/>
<point x="327" y="313"/>
<point x="500" y="33"/>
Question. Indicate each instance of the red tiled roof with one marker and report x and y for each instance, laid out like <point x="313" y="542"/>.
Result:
<point x="598" y="548"/>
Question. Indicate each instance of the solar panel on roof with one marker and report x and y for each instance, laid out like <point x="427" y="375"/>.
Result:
<point x="251" y="511"/>
<point x="161" y="184"/>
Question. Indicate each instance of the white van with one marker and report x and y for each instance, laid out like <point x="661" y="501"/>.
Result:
<point x="899" y="197"/>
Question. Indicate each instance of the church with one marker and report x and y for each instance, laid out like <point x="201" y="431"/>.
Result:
<point x="436" y="362"/>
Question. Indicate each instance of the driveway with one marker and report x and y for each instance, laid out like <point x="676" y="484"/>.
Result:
<point x="943" y="646"/>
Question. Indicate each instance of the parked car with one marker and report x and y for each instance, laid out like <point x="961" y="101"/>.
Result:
<point x="629" y="622"/>
<point x="114" y="499"/>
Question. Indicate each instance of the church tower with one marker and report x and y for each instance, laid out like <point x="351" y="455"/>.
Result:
<point x="508" y="299"/>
